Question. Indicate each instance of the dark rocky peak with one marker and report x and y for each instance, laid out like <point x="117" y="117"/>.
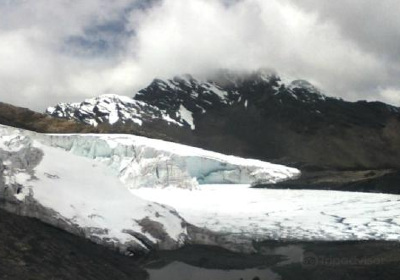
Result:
<point x="220" y="89"/>
<point x="195" y="95"/>
<point x="266" y="85"/>
<point x="189" y="96"/>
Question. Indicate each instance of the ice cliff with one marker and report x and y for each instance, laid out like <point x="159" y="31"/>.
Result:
<point x="143" y="162"/>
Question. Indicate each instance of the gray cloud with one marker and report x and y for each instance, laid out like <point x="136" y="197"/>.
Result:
<point x="66" y="50"/>
<point x="373" y="25"/>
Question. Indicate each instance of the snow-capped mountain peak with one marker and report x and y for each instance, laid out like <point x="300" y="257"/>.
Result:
<point x="181" y="90"/>
<point x="109" y="109"/>
<point x="182" y="100"/>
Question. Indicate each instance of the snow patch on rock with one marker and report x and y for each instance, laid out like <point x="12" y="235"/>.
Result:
<point x="187" y="116"/>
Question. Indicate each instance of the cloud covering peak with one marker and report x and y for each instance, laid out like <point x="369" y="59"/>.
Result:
<point x="66" y="50"/>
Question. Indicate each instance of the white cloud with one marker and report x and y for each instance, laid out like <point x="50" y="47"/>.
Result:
<point x="391" y="95"/>
<point x="41" y="67"/>
<point x="199" y="35"/>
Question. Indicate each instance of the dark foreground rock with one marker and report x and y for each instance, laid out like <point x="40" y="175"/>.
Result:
<point x="32" y="250"/>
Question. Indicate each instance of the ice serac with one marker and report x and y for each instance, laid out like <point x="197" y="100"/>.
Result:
<point x="81" y="196"/>
<point x="143" y="162"/>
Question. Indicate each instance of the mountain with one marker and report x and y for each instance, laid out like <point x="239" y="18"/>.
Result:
<point x="110" y="109"/>
<point x="255" y="115"/>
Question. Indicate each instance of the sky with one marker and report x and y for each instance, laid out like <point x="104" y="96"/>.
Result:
<point x="67" y="50"/>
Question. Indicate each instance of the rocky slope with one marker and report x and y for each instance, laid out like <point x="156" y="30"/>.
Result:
<point x="24" y="118"/>
<point x="30" y="249"/>
<point x="254" y="115"/>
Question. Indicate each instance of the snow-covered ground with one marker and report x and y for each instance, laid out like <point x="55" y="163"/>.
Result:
<point x="285" y="214"/>
<point x="95" y="198"/>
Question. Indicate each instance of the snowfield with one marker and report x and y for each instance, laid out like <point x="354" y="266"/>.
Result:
<point x="263" y="214"/>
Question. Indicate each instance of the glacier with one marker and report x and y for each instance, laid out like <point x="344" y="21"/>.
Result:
<point x="83" y="184"/>
<point x="136" y="194"/>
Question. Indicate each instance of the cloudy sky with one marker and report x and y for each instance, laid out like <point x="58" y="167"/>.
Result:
<point x="66" y="50"/>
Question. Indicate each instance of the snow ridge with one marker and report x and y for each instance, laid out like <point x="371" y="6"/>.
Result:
<point x="109" y="109"/>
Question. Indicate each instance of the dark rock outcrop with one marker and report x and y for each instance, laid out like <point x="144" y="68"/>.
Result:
<point x="30" y="249"/>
